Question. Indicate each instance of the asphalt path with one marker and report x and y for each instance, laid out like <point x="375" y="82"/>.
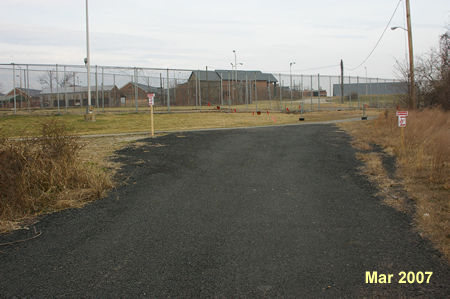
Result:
<point x="263" y="212"/>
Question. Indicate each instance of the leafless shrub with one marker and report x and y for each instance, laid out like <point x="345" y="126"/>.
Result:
<point x="39" y="175"/>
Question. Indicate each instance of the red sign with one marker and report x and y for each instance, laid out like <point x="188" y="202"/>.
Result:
<point x="402" y="113"/>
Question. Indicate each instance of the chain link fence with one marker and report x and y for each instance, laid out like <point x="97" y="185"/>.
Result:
<point x="43" y="88"/>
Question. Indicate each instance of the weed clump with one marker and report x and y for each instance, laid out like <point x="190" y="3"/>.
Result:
<point x="43" y="174"/>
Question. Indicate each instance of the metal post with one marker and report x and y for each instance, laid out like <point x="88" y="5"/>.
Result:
<point x="350" y="91"/>
<point x="196" y="89"/>
<point x="207" y="85"/>
<point x="281" y="93"/>
<point x="269" y="93"/>
<point x="88" y="61"/>
<point x="135" y="90"/>
<point x="175" y="90"/>
<point x="96" y="86"/>
<point x="357" y="88"/>
<point x="28" y="88"/>
<point x="103" y="90"/>
<point x="57" y="88"/>
<point x="311" y="92"/>
<point x="81" y="104"/>
<point x="14" y="88"/>
<point x="331" y="91"/>
<point x="256" y="94"/>
<point x="301" y="89"/>
<point x="229" y="91"/>
<point x="65" y="91"/>
<point x="221" y="90"/>
<point x="246" y="91"/>
<point x="199" y="92"/>
<point x="168" y="92"/>
<point x="366" y="84"/>
<point x="115" y="93"/>
<point x="318" y="92"/>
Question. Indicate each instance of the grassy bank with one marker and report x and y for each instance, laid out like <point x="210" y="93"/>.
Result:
<point x="423" y="167"/>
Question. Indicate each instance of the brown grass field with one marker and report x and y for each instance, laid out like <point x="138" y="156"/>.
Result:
<point x="110" y="123"/>
<point x="423" y="167"/>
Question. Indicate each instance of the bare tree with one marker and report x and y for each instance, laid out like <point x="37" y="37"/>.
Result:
<point x="48" y="79"/>
<point x="432" y="76"/>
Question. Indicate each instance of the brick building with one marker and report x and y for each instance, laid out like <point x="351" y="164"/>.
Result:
<point x="25" y="97"/>
<point x="77" y="96"/>
<point x="229" y="86"/>
<point x="128" y="94"/>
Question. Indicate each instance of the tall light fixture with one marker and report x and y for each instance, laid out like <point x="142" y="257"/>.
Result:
<point x="88" y="61"/>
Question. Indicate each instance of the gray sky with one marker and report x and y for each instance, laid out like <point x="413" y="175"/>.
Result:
<point x="192" y="34"/>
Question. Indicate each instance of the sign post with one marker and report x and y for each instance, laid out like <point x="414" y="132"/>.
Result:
<point x="151" y="102"/>
<point x="402" y="125"/>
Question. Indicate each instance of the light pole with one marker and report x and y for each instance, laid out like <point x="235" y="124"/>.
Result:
<point x="290" y="76"/>
<point x="412" y="88"/>
<point x="88" y="62"/>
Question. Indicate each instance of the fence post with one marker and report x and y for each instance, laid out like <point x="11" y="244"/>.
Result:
<point x="65" y="91"/>
<point x="311" y="92"/>
<point x="114" y="89"/>
<point x="281" y="92"/>
<point x="14" y="87"/>
<point x="229" y="92"/>
<point x="256" y="93"/>
<point x="269" y="93"/>
<point x="246" y="91"/>
<point x="301" y="94"/>
<point x="199" y="104"/>
<point x="57" y="88"/>
<point x="196" y="89"/>
<point x="103" y="90"/>
<point x="318" y="92"/>
<point x="96" y="86"/>
<point x="357" y="88"/>
<point x="221" y="90"/>
<point x="28" y="88"/>
<point x="350" y="92"/>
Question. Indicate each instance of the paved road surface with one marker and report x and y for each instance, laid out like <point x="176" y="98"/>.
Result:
<point x="276" y="212"/>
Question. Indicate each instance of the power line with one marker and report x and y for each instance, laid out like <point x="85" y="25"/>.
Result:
<point x="379" y="40"/>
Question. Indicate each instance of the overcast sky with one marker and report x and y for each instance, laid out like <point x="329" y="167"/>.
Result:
<point x="192" y="34"/>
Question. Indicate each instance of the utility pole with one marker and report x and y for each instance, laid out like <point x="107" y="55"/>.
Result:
<point x="412" y="91"/>
<point x="342" y="81"/>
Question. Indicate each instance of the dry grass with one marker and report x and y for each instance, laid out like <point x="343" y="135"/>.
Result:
<point x="16" y="126"/>
<point x="423" y="167"/>
<point x="41" y="175"/>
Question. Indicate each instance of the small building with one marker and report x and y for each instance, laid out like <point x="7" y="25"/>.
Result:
<point x="77" y="96"/>
<point x="25" y="97"/>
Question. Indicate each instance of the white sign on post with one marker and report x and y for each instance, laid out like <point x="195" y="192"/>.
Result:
<point x="151" y="97"/>
<point x="402" y="121"/>
<point x="402" y="118"/>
